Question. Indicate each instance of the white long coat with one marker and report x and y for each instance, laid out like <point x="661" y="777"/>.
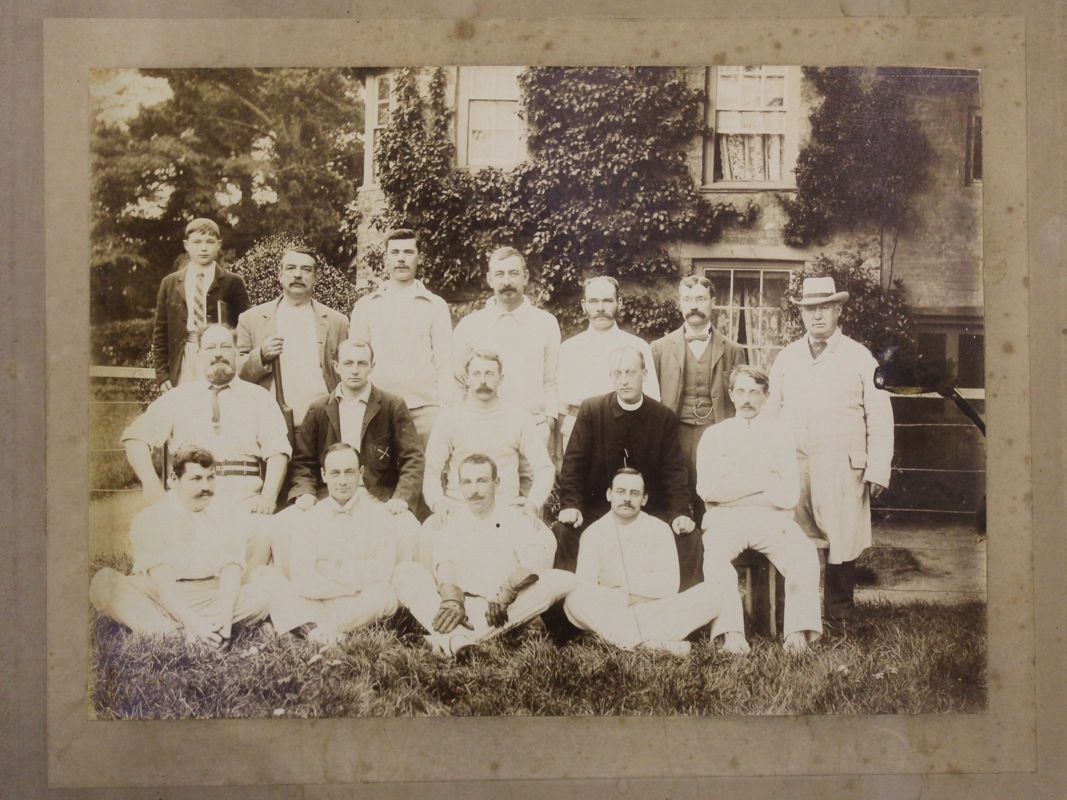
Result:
<point x="843" y="426"/>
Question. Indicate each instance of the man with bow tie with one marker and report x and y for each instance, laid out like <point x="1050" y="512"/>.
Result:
<point x="693" y="363"/>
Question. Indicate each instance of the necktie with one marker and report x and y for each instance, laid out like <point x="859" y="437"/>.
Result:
<point x="199" y="302"/>
<point x="816" y="348"/>
<point x="696" y="337"/>
<point x="216" y="420"/>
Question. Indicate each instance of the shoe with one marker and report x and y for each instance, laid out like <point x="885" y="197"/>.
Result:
<point x="735" y="644"/>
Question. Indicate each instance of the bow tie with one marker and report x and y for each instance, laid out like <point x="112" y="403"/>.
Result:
<point x="697" y="337"/>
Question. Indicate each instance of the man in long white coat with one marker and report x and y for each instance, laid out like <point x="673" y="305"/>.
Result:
<point x="822" y="386"/>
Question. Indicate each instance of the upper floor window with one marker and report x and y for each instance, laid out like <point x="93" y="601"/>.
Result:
<point x="380" y="113"/>
<point x="752" y="113"/>
<point x="490" y="132"/>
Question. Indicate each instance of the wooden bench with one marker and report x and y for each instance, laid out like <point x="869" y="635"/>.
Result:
<point x="763" y="590"/>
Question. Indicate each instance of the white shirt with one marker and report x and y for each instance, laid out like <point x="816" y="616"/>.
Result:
<point x="351" y="412"/>
<point x="487" y="550"/>
<point x="528" y="341"/>
<point x="584" y="361"/>
<point x="195" y="544"/>
<point x="639" y="557"/>
<point x="301" y="372"/>
<point x="191" y="272"/>
<point x="697" y="348"/>
<point x="739" y="447"/>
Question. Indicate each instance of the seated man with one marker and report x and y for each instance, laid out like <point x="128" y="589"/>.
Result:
<point x="378" y="425"/>
<point x="492" y="568"/>
<point x="188" y="558"/>
<point x="627" y="572"/>
<point x="747" y="474"/>
<point x="342" y="557"/>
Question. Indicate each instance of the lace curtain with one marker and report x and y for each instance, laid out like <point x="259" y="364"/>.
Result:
<point x="751" y="156"/>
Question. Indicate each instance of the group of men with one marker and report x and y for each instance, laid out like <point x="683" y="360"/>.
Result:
<point x="426" y="486"/>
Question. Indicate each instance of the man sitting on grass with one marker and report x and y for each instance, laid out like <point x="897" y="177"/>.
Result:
<point x="188" y="560"/>
<point x="627" y="572"/>
<point x="492" y="567"/>
<point x="747" y="474"/>
<point x="342" y="553"/>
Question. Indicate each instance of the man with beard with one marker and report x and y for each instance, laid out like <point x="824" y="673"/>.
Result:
<point x="289" y="345"/>
<point x="693" y="363"/>
<point x="491" y="568"/>
<point x="238" y="422"/>
<point x="625" y="429"/>
<point x="583" y="356"/>
<point x="378" y="426"/>
<point x="747" y="475"/>
<point x="343" y="558"/>
<point x="410" y="329"/>
<point x="627" y="590"/>
<point x="526" y="337"/>
<point x="188" y="558"/>
<point x="201" y="291"/>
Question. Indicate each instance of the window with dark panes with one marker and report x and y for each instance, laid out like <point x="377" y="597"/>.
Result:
<point x="974" y="146"/>
<point x="747" y="307"/>
<point x="972" y="361"/>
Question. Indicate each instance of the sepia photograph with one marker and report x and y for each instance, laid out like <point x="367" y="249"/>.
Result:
<point x="536" y="391"/>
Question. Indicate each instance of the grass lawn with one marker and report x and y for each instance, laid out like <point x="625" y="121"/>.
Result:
<point x="911" y="658"/>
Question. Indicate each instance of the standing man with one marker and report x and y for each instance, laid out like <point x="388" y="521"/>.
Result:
<point x="200" y="292"/>
<point x="491" y="568"/>
<point x="747" y="475"/>
<point x="822" y="386"/>
<point x="342" y="559"/>
<point x="410" y="328"/>
<point x="693" y="363"/>
<point x="188" y="558"/>
<point x="374" y="423"/>
<point x="526" y="337"/>
<point x="627" y="591"/>
<point x="582" y="357"/>
<point x="626" y="429"/>
<point x="238" y="422"/>
<point x="292" y="340"/>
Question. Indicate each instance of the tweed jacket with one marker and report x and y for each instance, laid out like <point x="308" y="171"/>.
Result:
<point x="390" y="449"/>
<point x="227" y="299"/>
<point x="668" y="355"/>
<point x="258" y="324"/>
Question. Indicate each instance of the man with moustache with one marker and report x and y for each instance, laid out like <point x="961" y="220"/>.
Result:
<point x="526" y="337"/>
<point x="822" y="386"/>
<point x="378" y="426"/>
<point x="188" y="559"/>
<point x="200" y="292"/>
<point x="410" y="329"/>
<point x="627" y="578"/>
<point x="747" y="474"/>
<point x="491" y="568"/>
<point x="582" y="357"/>
<point x="693" y="363"/>
<point x="342" y="559"/>
<point x="292" y="341"/>
<point x="238" y="422"/>
<point x="625" y="429"/>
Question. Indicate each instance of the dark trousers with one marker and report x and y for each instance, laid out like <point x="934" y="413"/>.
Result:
<point x="839" y="585"/>
<point x="689" y="439"/>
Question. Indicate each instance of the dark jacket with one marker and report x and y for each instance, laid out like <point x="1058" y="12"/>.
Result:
<point x="227" y="299"/>
<point x="390" y="451"/>
<point x="604" y="436"/>
<point x="668" y="355"/>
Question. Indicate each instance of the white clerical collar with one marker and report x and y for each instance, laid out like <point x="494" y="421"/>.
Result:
<point x="629" y="406"/>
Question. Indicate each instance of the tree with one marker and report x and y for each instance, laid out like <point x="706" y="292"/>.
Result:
<point x="259" y="150"/>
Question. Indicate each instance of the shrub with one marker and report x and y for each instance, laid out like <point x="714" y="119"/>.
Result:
<point x="123" y="343"/>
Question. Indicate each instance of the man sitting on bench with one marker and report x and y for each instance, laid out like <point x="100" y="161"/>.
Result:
<point x="747" y="474"/>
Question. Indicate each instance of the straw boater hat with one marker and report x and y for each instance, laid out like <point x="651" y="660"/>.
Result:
<point x="817" y="291"/>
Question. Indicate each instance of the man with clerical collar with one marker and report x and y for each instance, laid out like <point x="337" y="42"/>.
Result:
<point x="582" y="357"/>
<point x="410" y="329"/>
<point x="526" y="337"/>
<point x="627" y="590"/>
<point x="693" y="363"/>
<point x="342" y="555"/>
<point x="378" y="426"/>
<point x="289" y="345"/>
<point x="747" y="474"/>
<point x="624" y="428"/>
<point x="491" y="568"/>
<point x="822" y="386"/>
<point x="238" y="422"/>
<point x="200" y="292"/>
<point x="188" y="560"/>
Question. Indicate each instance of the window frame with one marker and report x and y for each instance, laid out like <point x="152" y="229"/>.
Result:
<point x="790" y="133"/>
<point x="372" y="106"/>
<point x="465" y="94"/>
<point x="974" y="134"/>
